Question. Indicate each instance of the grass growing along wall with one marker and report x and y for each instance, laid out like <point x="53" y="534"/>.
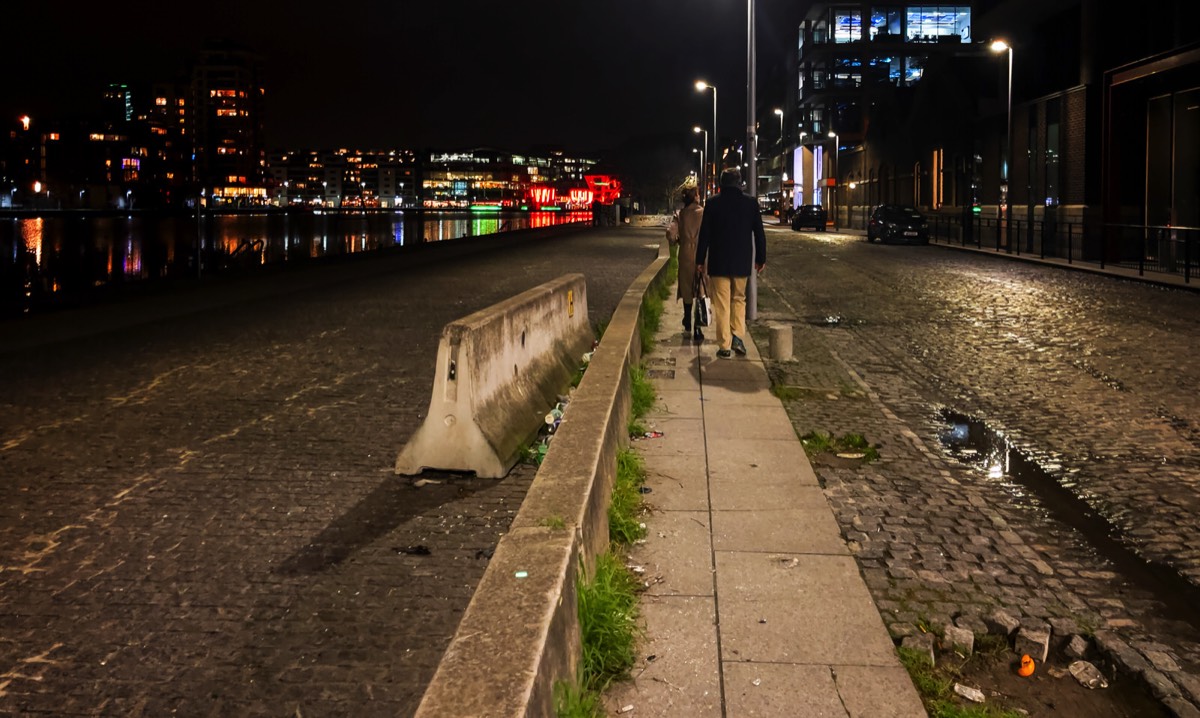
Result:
<point x="608" y="604"/>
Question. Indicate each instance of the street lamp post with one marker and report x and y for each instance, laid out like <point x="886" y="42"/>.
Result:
<point x="701" y="86"/>
<point x="1002" y="46"/>
<point x="752" y="148"/>
<point x="837" y="146"/>
<point x="782" y="160"/>
<point x="703" y="167"/>
<point x="798" y="177"/>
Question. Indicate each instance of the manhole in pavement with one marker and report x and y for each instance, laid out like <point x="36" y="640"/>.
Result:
<point x="974" y="443"/>
<point x="660" y="373"/>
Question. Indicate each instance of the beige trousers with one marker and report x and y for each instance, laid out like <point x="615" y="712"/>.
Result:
<point x="729" y="308"/>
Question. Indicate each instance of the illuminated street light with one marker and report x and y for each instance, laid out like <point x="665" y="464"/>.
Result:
<point x="999" y="46"/>
<point x="837" y="146"/>
<point x="751" y="147"/>
<point x="703" y="168"/>
<point x="782" y="162"/>
<point x="701" y="86"/>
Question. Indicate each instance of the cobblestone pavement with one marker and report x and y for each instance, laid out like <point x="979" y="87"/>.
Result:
<point x="201" y="516"/>
<point x="1095" y="379"/>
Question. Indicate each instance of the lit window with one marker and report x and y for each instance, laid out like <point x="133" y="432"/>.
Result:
<point x="160" y="101"/>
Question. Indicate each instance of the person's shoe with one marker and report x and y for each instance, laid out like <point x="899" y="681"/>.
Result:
<point x="698" y="336"/>
<point x="724" y="354"/>
<point x="739" y="347"/>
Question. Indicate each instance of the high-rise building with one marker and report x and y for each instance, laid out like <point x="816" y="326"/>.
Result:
<point x="227" y="106"/>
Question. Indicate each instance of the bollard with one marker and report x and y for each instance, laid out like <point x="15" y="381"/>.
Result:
<point x="781" y="342"/>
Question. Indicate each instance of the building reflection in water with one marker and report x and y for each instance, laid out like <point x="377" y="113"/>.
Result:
<point x="63" y="260"/>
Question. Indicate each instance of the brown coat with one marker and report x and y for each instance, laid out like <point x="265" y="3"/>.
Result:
<point x="689" y="231"/>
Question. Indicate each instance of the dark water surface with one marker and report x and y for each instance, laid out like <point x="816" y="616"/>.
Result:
<point x="63" y="260"/>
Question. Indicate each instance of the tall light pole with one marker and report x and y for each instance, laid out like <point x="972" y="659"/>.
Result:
<point x="702" y="171"/>
<point x="752" y="148"/>
<point x="701" y="86"/>
<point x="703" y="167"/>
<point x="751" y="120"/>
<point x="1002" y="46"/>
<point x="837" y="146"/>
<point x="782" y="159"/>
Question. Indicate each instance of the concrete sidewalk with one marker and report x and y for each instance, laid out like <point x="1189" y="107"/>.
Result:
<point x="754" y="605"/>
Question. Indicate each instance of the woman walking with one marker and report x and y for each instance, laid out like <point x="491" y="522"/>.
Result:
<point x="688" y="220"/>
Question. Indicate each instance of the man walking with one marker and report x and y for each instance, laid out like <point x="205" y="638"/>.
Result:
<point x="731" y="241"/>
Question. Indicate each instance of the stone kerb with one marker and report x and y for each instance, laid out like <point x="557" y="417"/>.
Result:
<point x="520" y="634"/>
<point x="497" y="372"/>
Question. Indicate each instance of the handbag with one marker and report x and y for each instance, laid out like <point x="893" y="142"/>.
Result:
<point x="703" y="303"/>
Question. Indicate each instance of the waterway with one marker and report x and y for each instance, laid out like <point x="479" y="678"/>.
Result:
<point x="66" y="259"/>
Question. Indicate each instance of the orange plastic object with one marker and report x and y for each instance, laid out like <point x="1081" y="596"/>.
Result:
<point x="1026" y="668"/>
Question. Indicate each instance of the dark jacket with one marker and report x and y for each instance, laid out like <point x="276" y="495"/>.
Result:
<point x="731" y="228"/>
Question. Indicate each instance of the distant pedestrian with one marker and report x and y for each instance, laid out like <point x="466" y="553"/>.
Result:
<point x="688" y="221"/>
<point x="731" y="243"/>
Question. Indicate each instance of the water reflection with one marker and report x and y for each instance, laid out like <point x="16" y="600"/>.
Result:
<point x="1030" y="485"/>
<point x="63" y="260"/>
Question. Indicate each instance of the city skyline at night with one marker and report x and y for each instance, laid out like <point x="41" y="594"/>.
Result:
<point x="385" y="75"/>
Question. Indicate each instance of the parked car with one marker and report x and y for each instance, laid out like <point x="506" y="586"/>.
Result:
<point x="895" y="223"/>
<point x="809" y="215"/>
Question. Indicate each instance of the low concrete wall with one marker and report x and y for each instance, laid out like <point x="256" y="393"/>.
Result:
<point x="498" y="371"/>
<point x="649" y="220"/>
<point x="520" y="634"/>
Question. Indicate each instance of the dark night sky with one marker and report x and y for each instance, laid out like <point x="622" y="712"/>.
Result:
<point x="372" y="74"/>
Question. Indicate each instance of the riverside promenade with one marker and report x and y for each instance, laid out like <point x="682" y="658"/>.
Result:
<point x="754" y="605"/>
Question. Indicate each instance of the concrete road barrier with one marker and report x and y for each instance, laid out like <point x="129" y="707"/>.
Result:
<point x="520" y="635"/>
<point x="498" y="372"/>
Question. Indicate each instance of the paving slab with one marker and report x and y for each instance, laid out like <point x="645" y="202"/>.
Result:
<point x="766" y="491"/>
<point x="678" y="561"/>
<point x="774" y="690"/>
<point x="677" y="672"/>
<point x="766" y="458"/>
<point x="799" y="608"/>
<point x="676" y="483"/>
<point x="778" y="530"/>
<point x="734" y="420"/>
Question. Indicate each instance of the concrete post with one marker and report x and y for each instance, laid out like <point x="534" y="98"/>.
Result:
<point x="781" y="342"/>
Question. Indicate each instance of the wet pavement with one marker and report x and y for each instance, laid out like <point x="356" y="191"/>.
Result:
<point x="1091" y="380"/>
<point x="201" y="516"/>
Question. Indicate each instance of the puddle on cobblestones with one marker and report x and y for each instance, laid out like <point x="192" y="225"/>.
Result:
<point x="972" y="442"/>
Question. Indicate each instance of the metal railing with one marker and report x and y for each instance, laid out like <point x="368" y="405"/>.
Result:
<point x="1146" y="248"/>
